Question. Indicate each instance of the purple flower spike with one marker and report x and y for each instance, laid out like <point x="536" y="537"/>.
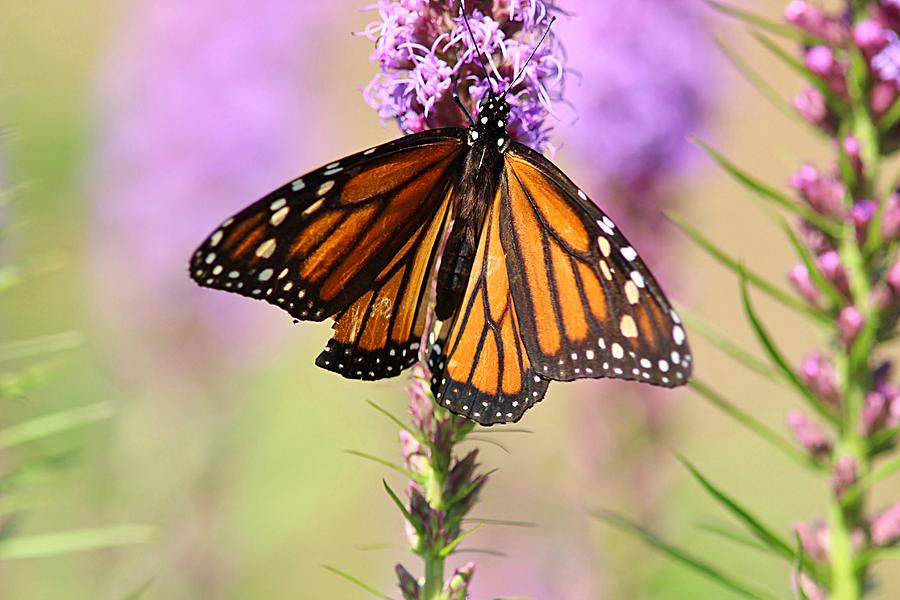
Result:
<point x="885" y="528"/>
<point x="422" y="46"/>
<point x="850" y="323"/>
<point x="844" y="475"/>
<point x="808" y="434"/>
<point x="818" y="374"/>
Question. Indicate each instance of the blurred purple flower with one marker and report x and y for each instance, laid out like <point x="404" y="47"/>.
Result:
<point x="814" y="539"/>
<point x="844" y="475"/>
<point x="887" y="62"/>
<point x="201" y="106"/>
<point x="808" y="434"/>
<point x="422" y="45"/>
<point x="818" y="374"/>
<point x="885" y="527"/>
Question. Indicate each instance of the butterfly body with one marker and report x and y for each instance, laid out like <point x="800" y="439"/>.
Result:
<point x="535" y="283"/>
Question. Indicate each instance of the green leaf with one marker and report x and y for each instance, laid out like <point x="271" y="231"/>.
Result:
<point x="679" y="555"/>
<point x="798" y="67"/>
<point x="502" y="522"/>
<point x="879" y="473"/>
<point x="764" y="533"/>
<point x="787" y="31"/>
<point x="776" y="356"/>
<point x="785" y="299"/>
<point x="769" y="193"/>
<point x="79" y="540"/>
<point x="355" y="582"/>
<point x="798" y="568"/>
<point x="834" y="296"/>
<point x="53" y="424"/>
<point x="397" y="501"/>
<point x="449" y="548"/>
<point x="40" y="345"/>
<point x="718" y="339"/>
<point x="738" y="537"/>
<point x="756" y="81"/>
<point x="489" y="441"/>
<point x="756" y="426"/>
<point x="890" y="118"/>
<point x="381" y="461"/>
<point x="392" y="418"/>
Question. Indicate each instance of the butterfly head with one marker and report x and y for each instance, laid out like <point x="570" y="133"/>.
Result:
<point x="493" y="117"/>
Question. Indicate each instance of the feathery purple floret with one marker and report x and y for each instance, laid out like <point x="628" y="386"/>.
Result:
<point x="421" y="46"/>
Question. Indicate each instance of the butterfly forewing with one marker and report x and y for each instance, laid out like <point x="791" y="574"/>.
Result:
<point x="479" y="366"/>
<point x="588" y="305"/>
<point x="316" y="245"/>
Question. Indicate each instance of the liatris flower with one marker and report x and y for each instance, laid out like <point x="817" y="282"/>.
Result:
<point x="423" y="47"/>
<point x="443" y="490"/>
<point x="808" y="434"/>
<point x="885" y="527"/>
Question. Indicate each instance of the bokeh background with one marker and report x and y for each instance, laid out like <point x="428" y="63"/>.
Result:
<point x="132" y="128"/>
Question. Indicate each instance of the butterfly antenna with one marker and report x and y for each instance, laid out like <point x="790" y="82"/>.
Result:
<point x="533" y="52"/>
<point x="462" y="10"/>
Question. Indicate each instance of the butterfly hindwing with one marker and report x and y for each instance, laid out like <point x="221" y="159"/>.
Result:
<point x="314" y="246"/>
<point x="479" y="366"/>
<point x="587" y="304"/>
<point x="379" y="335"/>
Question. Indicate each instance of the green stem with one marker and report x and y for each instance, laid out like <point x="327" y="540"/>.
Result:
<point x="434" y="578"/>
<point x="845" y="514"/>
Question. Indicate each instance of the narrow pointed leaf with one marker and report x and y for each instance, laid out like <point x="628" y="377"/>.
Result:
<point x="502" y="522"/>
<point x="782" y="29"/>
<point x="449" y="548"/>
<point x="826" y="287"/>
<point x="390" y="417"/>
<point x="879" y="473"/>
<point x="686" y="559"/>
<point x="53" y="424"/>
<point x="758" y="427"/>
<point x="756" y="81"/>
<point x="754" y="525"/>
<point x="738" y="537"/>
<point x="733" y="349"/>
<point x="782" y="297"/>
<point x="79" y="540"/>
<point x="767" y="192"/>
<point x="489" y="441"/>
<point x="380" y="461"/>
<point x="397" y="501"/>
<point x="486" y="551"/>
<point x="777" y="358"/>
<point x="890" y="118"/>
<point x="355" y="582"/>
<point x="798" y="568"/>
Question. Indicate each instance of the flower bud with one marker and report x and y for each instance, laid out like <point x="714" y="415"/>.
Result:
<point x="884" y="529"/>
<point x="814" y="539"/>
<point x="819" y="376"/>
<point x="893" y="278"/>
<point x="844" y="475"/>
<point x="799" y="277"/>
<point x="457" y="588"/>
<point x="850" y="323"/>
<point x="811" y="105"/>
<point x="812" y="19"/>
<point x="853" y="150"/>
<point x="829" y="264"/>
<point x="810" y="588"/>
<point x="409" y="587"/>
<point x="882" y="98"/>
<point x="870" y="36"/>
<point x="862" y="214"/>
<point x="824" y="194"/>
<point x="808" y="434"/>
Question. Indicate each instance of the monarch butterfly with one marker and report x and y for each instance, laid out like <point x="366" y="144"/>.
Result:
<point x="533" y="283"/>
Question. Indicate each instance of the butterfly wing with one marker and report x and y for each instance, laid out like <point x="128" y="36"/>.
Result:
<point x="587" y="304"/>
<point x="351" y="239"/>
<point x="479" y="366"/>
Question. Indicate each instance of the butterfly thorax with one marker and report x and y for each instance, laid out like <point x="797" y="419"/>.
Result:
<point x="478" y="183"/>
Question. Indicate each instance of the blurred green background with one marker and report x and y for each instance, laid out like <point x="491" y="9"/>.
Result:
<point x="231" y="443"/>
